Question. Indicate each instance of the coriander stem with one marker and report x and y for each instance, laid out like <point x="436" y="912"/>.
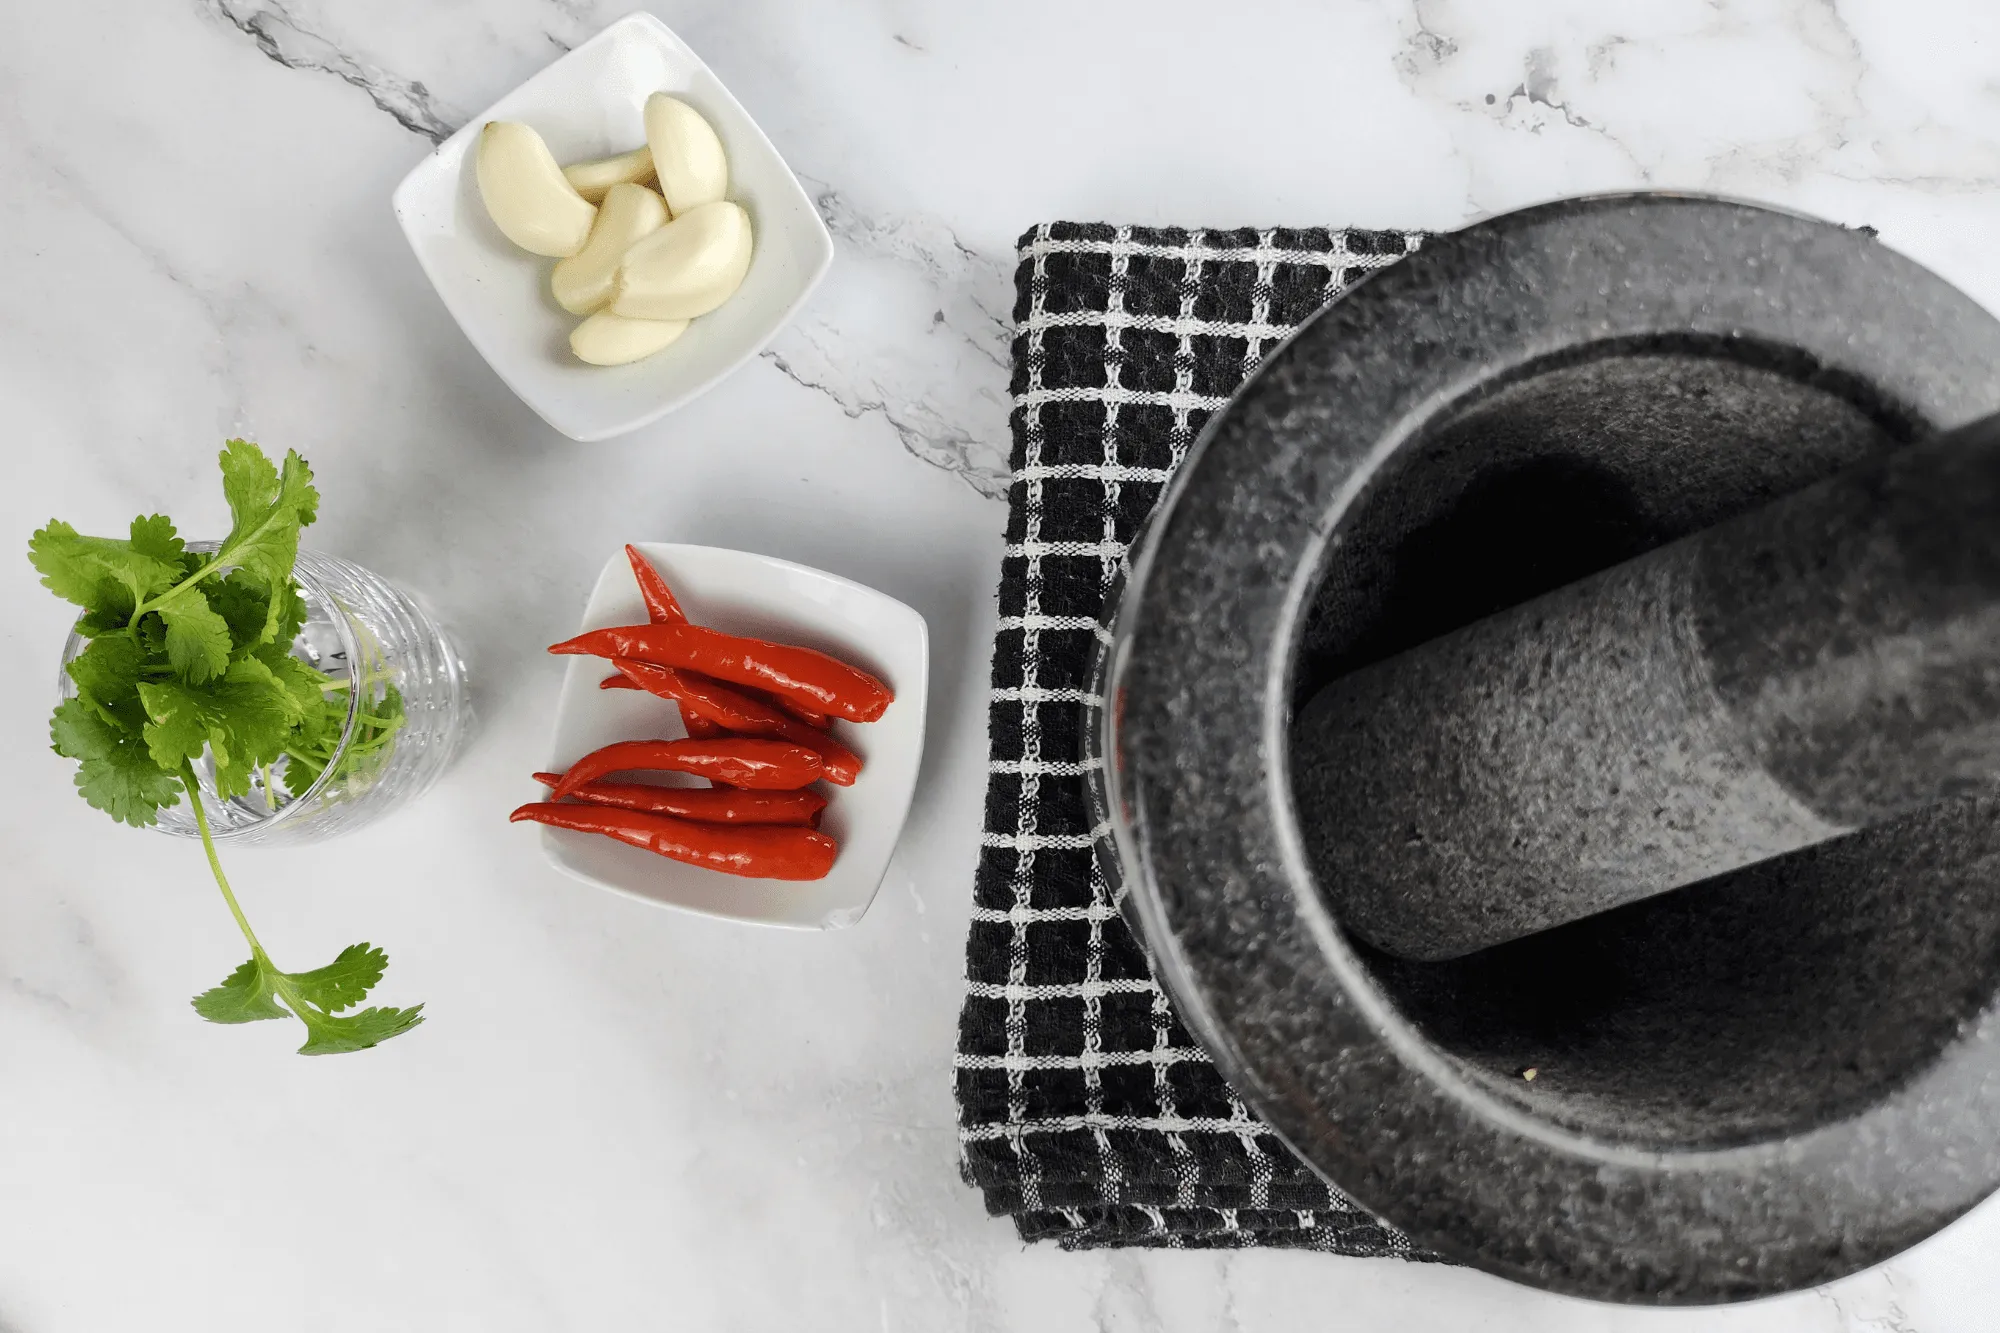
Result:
<point x="155" y="603"/>
<point x="193" y="786"/>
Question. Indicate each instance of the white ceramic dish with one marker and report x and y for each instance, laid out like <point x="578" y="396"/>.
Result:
<point x="588" y="104"/>
<point x="772" y="599"/>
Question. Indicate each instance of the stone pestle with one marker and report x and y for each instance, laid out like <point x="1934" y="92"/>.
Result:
<point x="1825" y="663"/>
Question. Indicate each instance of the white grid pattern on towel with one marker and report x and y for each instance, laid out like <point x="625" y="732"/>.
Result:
<point x="1044" y="627"/>
<point x="1026" y="840"/>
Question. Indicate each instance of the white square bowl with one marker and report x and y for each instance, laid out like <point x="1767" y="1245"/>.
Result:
<point x="766" y="598"/>
<point x="590" y="104"/>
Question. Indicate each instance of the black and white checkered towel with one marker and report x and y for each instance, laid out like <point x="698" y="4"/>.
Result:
<point x="1086" y="1111"/>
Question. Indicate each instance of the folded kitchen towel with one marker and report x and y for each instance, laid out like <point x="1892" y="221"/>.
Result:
<point x="1086" y="1111"/>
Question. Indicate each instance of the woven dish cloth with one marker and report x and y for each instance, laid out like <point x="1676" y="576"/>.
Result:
<point x="1086" y="1111"/>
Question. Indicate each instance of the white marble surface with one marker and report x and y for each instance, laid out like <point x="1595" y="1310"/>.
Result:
<point x="620" y="1118"/>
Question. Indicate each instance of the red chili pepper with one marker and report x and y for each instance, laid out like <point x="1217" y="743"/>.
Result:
<point x="696" y="726"/>
<point x="661" y="605"/>
<point x="818" y="721"/>
<point x="759" y="851"/>
<point x="708" y="805"/>
<point x="812" y="717"/>
<point x="701" y="697"/>
<point x="739" y="761"/>
<point x="801" y="675"/>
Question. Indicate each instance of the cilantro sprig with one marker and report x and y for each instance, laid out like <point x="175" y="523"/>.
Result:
<point x="190" y="654"/>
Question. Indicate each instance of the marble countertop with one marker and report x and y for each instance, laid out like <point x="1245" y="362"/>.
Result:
<point x="620" y="1117"/>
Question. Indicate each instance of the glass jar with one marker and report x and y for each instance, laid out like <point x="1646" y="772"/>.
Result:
<point x="406" y="713"/>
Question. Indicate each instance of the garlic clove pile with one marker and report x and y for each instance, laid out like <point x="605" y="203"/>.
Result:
<point x="582" y="282"/>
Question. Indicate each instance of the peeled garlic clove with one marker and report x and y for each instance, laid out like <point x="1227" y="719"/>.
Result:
<point x="686" y="153"/>
<point x="686" y="268"/>
<point x="582" y="282"/>
<point x="593" y="180"/>
<point x="606" y="339"/>
<point x="525" y="192"/>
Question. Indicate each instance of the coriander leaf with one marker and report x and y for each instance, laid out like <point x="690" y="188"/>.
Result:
<point x="154" y="536"/>
<point x="106" y="577"/>
<point x="288" y="616"/>
<point x="344" y="982"/>
<point x="117" y="774"/>
<point x="75" y="732"/>
<point x="246" y="996"/>
<point x="198" y="640"/>
<point x="305" y="685"/>
<point x="106" y="673"/>
<point x="338" y="1034"/>
<point x="111" y="619"/>
<point x="179" y="724"/>
<point x="267" y="508"/>
<point x="255" y="613"/>
<point x="244" y="602"/>
<point x="249" y="481"/>
<point x="295" y="486"/>
<point x="242" y="720"/>
<point x="302" y="769"/>
<point x="57" y="553"/>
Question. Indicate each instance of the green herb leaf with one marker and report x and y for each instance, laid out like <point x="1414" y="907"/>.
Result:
<point x="302" y="769"/>
<point x="287" y="617"/>
<point x="268" y="507"/>
<point x="306" y="687"/>
<point x="106" y="577"/>
<point x="198" y="640"/>
<point x="244" y="603"/>
<point x="106" y="673"/>
<point x="249" y="482"/>
<point x="344" y="982"/>
<point x="154" y="537"/>
<point x="339" y="1034"/>
<point x="117" y="774"/>
<point x="255" y="614"/>
<point x="257" y="990"/>
<point x="246" y="996"/>
<point x="242" y="720"/>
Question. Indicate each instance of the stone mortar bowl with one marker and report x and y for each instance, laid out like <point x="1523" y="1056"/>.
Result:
<point x="1751" y="1085"/>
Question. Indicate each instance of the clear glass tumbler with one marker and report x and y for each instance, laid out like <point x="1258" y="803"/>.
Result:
<point x="406" y="713"/>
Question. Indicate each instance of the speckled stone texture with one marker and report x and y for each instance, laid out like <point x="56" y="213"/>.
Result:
<point x="1733" y="1096"/>
<point x="1823" y="663"/>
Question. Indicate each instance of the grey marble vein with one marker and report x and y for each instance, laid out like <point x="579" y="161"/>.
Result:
<point x="936" y="369"/>
<point x="284" y="38"/>
<point x="1891" y="1318"/>
<point x="923" y="431"/>
<point x="981" y="280"/>
<point x="1426" y="48"/>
